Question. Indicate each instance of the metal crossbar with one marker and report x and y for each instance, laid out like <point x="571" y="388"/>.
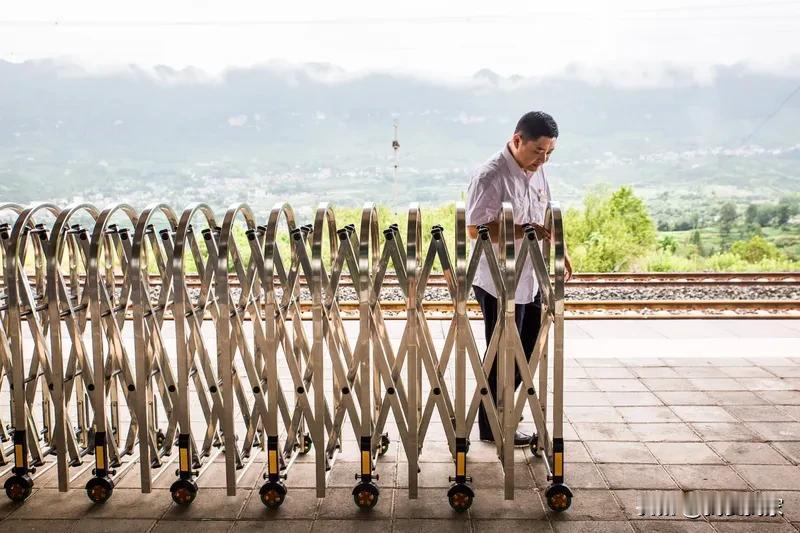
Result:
<point x="109" y="359"/>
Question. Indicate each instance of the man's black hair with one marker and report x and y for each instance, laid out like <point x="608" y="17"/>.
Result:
<point x="536" y="124"/>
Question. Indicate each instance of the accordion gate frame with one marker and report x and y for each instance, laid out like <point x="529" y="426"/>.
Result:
<point x="257" y="380"/>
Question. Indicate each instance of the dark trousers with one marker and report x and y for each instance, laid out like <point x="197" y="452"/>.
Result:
<point x="528" y="319"/>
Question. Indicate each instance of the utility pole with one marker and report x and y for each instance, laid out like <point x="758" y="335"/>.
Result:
<point x="396" y="148"/>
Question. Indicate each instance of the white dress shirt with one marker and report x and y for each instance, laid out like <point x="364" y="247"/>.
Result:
<point x="499" y="180"/>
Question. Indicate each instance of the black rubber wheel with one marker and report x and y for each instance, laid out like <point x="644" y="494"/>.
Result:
<point x="366" y="495"/>
<point x="100" y="489"/>
<point x="272" y="494"/>
<point x="384" y="445"/>
<point x="460" y="496"/>
<point x="559" y="497"/>
<point x="18" y="488"/>
<point x="183" y="491"/>
<point x="535" y="445"/>
<point x="305" y="444"/>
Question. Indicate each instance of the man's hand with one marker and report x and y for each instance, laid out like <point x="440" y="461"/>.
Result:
<point x="541" y="232"/>
<point x="567" y="267"/>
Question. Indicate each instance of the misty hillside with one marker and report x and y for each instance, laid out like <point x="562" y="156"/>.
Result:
<point x="74" y="132"/>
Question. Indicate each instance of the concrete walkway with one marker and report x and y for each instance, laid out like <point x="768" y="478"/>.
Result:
<point x="650" y="405"/>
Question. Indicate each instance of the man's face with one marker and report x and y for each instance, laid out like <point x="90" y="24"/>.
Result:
<point x="534" y="153"/>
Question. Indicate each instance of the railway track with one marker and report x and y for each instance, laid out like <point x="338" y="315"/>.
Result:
<point x="612" y="296"/>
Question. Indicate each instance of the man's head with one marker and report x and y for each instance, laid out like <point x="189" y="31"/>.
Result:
<point x="534" y="140"/>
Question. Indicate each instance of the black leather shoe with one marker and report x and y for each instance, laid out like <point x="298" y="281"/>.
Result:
<point x="520" y="439"/>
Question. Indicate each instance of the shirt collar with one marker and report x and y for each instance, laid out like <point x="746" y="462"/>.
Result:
<point x="513" y="166"/>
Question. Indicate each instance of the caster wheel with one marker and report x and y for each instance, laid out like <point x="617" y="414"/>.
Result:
<point x="160" y="438"/>
<point x="99" y="489"/>
<point x="306" y="444"/>
<point x="183" y="491"/>
<point x="559" y="497"/>
<point x="272" y="494"/>
<point x="460" y="497"/>
<point x="18" y="488"/>
<point x="384" y="445"/>
<point x="535" y="445"/>
<point x="366" y="495"/>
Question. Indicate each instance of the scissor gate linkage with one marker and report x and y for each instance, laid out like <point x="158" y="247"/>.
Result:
<point x="109" y="359"/>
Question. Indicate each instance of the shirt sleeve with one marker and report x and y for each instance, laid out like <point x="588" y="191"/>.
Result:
<point x="483" y="199"/>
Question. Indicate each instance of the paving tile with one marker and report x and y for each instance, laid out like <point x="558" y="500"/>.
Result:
<point x="699" y="477"/>
<point x="430" y="526"/>
<point x="759" y="413"/>
<point x="490" y="504"/>
<point x="338" y="504"/>
<point x="753" y="527"/>
<point x="55" y="505"/>
<point x="703" y="413"/>
<point x="362" y="526"/>
<point x="211" y="504"/>
<point x="586" y="398"/>
<point x="576" y="452"/>
<point x="637" y="476"/>
<point x="580" y="476"/>
<point x="683" y="453"/>
<point x="132" y="503"/>
<point x="672" y="526"/>
<point x="699" y="371"/>
<point x="609" y="372"/>
<point x="780" y="397"/>
<point x="620" y="452"/>
<point x="430" y="503"/>
<point x="299" y="504"/>
<point x="430" y="475"/>
<point x="37" y="526"/>
<point x="589" y="504"/>
<point x="684" y="397"/>
<point x="724" y="431"/>
<point x="771" y="477"/>
<point x="579" y="385"/>
<point x="648" y="414"/>
<point x="257" y="526"/>
<point x="490" y="526"/>
<point x="593" y="414"/>
<point x="113" y="525"/>
<point x="664" y="432"/>
<point x="736" y="398"/>
<point x="707" y="384"/>
<point x="749" y="453"/>
<point x="613" y="432"/>
<point x="592" y="527"/>
<point x="620" y="385"/>
<point x="789" y="449"/>
<point x="773" y="431"/>
<point x="654" y="372"/>
<point x="668" y="384"/>
<point x="748" y="372"/>
<point x="633" y="399"/>
<point x="194" y="526"/>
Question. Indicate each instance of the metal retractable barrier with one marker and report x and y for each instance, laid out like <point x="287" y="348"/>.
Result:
<point x="93" y="300"/>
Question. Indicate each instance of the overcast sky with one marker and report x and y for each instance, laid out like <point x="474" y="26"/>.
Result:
<point x="625" y="38"/>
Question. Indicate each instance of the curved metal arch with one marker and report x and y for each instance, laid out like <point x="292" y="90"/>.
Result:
<point x="56" y="248"/>
<point x="280" y="210"/>
<point x="555" y="223"/>
<point x="137" y="269"/>
<point x="14" y="318"/>
<point x="368" y="249"/>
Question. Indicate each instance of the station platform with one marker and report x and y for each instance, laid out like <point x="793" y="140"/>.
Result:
<point x="666" y="405"/>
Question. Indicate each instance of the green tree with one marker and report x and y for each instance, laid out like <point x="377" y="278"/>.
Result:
<point x="668" y="244"/>
<point x="755" y="249"/>
<point x="751" y="215"/>
<point x="610" y="232"/>
<point x="727" y="217"/>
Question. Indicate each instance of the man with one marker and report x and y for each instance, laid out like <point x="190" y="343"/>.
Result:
<point x="515" y="175"/>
